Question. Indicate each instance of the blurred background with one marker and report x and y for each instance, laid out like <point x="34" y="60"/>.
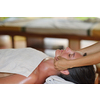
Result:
<point x="50" y="44"/>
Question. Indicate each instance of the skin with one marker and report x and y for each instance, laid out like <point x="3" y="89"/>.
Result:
<point x="91" y="49"/>
<point x="93" y="57"/>
<point x="45" y="69"/>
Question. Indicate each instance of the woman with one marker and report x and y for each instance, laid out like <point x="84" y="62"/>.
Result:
<point x="31" y="66"/>
<point x="93" y="57"/>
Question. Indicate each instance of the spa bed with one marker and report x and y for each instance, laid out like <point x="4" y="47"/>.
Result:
<point x="74" y="30"/>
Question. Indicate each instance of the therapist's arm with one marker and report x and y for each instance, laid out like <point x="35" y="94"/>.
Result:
<point x="91" y="49"/>
<point x="63" y="64"/>
<point x="86" y="60"/>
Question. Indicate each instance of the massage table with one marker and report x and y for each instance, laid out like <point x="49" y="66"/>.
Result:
<point x="71" y="29"/>
<point x="54" y="79"/>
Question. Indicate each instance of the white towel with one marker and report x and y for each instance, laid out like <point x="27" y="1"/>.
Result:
<point x="95" y="68"/>
<point x="54" y="79"/>
<point x="20" y="61"/>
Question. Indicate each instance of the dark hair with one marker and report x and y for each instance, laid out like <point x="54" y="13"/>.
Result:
<point x="80" y="75"/>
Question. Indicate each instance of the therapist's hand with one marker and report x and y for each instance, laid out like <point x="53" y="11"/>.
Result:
<point x="60" y="63"/>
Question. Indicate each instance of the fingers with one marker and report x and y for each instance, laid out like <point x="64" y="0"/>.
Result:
<point x="58" y="63"/>
<point x="56" y="59"/>
<point x="55" y="63"/>
<point x="59" y="57"/>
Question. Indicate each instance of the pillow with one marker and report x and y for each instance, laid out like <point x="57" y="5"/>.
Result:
<point x="54" y="79"/>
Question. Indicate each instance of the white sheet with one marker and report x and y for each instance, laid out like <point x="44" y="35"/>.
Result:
<point x="20" y="61"/>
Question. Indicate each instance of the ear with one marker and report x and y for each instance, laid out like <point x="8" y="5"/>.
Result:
<point x="66" y="72"/>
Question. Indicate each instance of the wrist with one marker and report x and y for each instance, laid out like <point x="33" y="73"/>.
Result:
<point x="70" y="63"/>
<point x="73" y="63"/>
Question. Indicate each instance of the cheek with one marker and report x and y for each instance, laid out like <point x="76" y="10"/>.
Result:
<point x="65" y="56"/>
<point x="78" y="56"/>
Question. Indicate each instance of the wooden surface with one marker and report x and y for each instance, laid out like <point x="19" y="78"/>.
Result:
<point x="71" y="38"/>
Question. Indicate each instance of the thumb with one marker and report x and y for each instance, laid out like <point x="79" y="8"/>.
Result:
<point x="55" y="59"/>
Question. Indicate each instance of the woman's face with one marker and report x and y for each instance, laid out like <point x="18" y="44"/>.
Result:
<point x="68" y="54"/>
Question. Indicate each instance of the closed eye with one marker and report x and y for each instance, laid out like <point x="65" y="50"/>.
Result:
<point x="71" y="55"/>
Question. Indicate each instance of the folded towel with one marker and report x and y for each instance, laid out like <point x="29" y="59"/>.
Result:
<point x="95" y="68"/>
<point x="56" y="80"/>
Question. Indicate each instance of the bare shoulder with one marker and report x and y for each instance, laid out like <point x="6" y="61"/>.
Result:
<point x="33" y="77"/>
<point x="45" y="64"/>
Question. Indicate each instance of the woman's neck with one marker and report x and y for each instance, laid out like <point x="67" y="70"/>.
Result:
<point x="46" y="69"/>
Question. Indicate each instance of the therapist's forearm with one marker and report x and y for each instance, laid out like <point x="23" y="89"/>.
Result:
<point x="91" y="49"/>
<point x="87" y="60"/>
